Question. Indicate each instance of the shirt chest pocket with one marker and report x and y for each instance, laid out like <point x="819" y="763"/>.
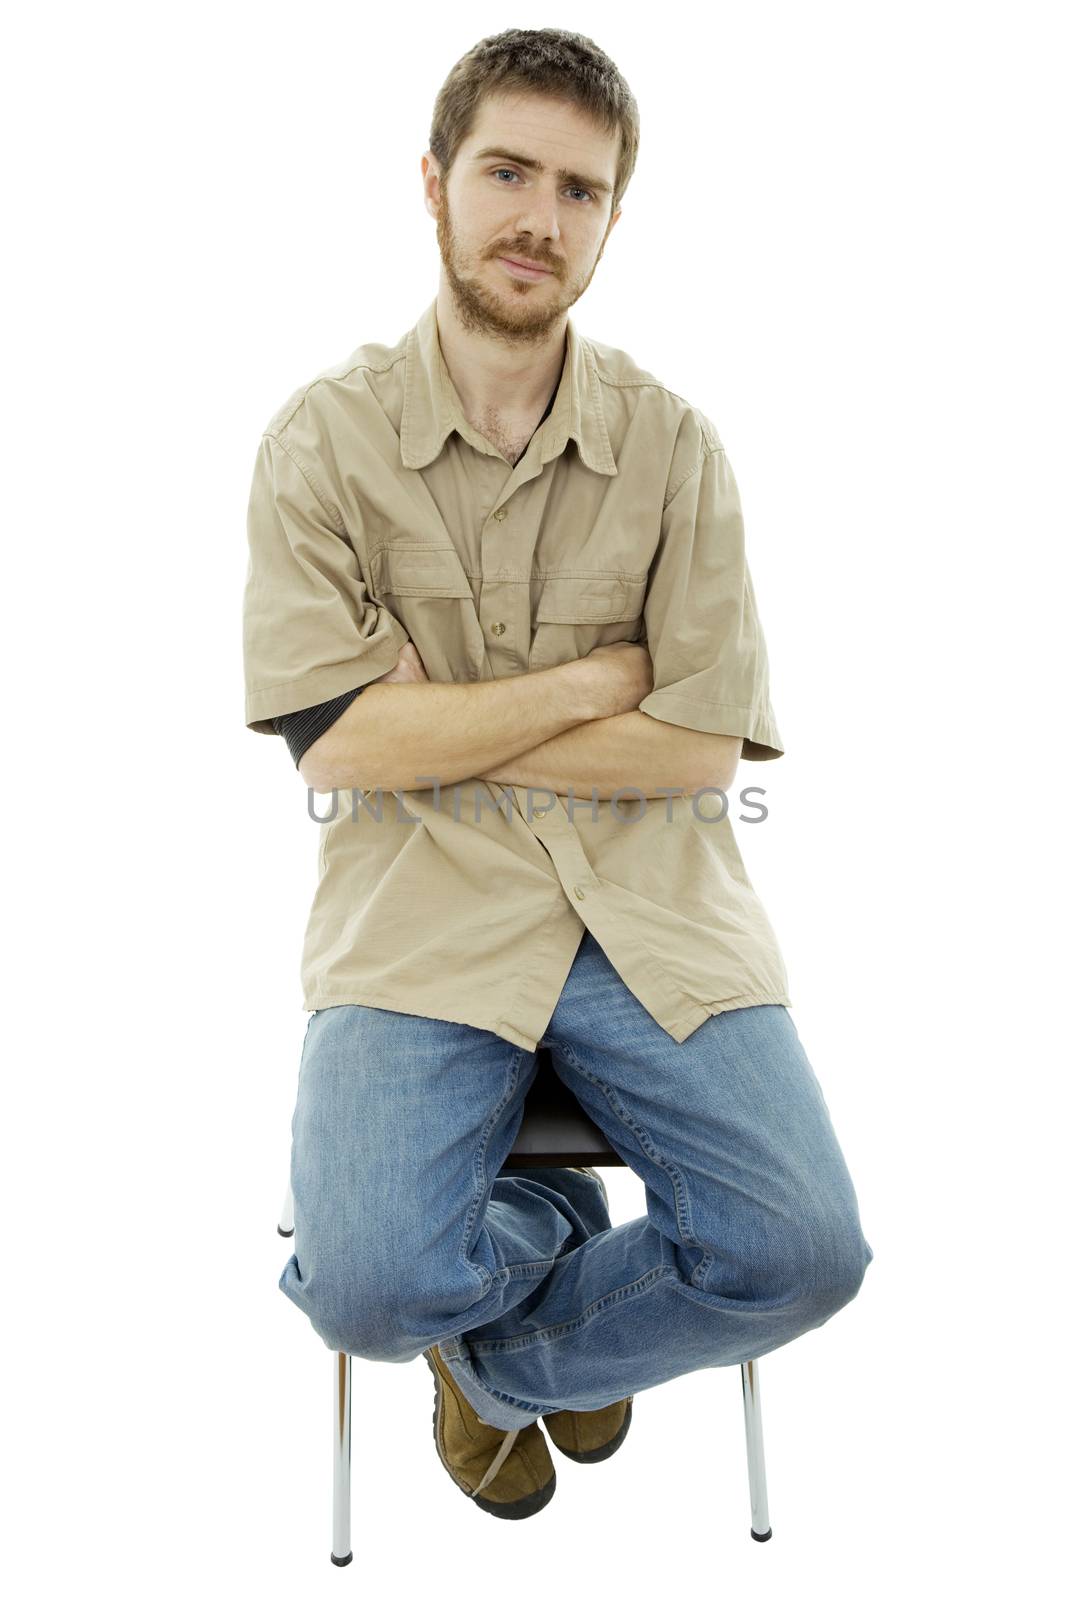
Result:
<point x="574" y="614"/>
<point x="426" y="588"/>
<point x="417" y="572"/>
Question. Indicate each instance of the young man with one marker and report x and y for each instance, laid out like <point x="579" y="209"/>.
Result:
<point x="498" y="598"/>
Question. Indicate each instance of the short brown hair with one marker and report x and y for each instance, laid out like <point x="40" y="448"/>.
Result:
<point x="546" y="61"/>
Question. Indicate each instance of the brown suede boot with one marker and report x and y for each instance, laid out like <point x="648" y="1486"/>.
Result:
<point x="508" y="1474"/>
<point x="590" y="1435"/>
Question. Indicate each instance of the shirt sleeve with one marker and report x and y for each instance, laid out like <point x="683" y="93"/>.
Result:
<point x="300" y="729"/>
<point x="709" y="657"/>
<point x="311" y="633"/>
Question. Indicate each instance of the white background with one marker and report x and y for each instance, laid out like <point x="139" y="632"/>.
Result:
<point x="842" y="243"/>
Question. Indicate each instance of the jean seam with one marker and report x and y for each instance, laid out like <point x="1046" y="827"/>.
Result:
<point x="505" y="1399"/>
<point x="486" y="1279"/>
<point x="524" y="1269"/>
<point x="682" y="1212"/>
<point x="627" y="1291"/>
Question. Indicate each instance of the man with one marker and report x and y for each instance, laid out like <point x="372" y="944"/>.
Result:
<point x="498" y="604"/>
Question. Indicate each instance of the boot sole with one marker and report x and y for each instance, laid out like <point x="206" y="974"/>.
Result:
<point x="603" y="1451"/>
<point x="511" y="1510"/>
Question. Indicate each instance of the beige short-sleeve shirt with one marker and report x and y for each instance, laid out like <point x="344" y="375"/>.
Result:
<point x="378" y="514"/>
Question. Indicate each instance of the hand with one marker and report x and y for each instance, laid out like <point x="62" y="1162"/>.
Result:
<point x="623" y="676"/>
<point x="409" y="667"/>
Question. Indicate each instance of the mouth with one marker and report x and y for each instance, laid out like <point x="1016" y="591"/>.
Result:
<point x="519" y="270"/>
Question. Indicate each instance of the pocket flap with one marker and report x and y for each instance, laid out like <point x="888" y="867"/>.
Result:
<point x="420" y="570"/>
<point x="591" y="599"/>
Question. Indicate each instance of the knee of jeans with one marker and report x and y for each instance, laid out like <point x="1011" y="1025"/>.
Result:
<point x="369" y="1333"/>
<point x="814" y="1260"/>
<point x="834" y="1270"/>
<point x="381" y="1317"/>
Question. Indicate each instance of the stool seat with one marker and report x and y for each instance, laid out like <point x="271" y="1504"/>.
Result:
<point x="555" y="1130"/>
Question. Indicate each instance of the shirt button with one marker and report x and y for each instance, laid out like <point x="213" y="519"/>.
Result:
<point x="500" y="514"/>
<point x="497" y="627"/>
<point x="579" y="894"/>
<point x="540" y="811"/>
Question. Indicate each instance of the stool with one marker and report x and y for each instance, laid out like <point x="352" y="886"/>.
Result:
<point x="555" y="1132"/>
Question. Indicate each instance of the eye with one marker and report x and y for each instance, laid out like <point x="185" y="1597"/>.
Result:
<point x="572" y="188"/>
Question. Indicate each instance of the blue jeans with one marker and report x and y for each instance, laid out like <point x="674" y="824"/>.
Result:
<point x="405" y="1235"/>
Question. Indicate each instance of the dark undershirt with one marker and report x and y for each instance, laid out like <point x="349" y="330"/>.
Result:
<point x="300" y="729"/>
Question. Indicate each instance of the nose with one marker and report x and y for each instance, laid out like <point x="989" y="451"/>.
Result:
<point x="538" y="220"/>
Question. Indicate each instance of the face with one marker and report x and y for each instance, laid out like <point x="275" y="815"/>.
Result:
<point x="497" y="206"/>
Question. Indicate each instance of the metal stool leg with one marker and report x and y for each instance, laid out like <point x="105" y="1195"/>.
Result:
<point x="757" y="1471"/>
<point x="285" y="1226"/>
<point x="341" y="1428"/>
<point x="342" y="1459"/>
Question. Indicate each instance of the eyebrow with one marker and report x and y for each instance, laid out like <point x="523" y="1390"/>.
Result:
<point x="599" y="185"/>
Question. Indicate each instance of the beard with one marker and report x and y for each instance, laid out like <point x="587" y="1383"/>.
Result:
<point x="518" y="313"/>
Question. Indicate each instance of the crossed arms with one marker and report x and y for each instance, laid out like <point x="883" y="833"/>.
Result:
<point x="568" y="729"/>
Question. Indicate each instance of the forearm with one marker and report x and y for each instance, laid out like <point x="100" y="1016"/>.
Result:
<point x="407" y="735"/>
<point x="630" y="751"/>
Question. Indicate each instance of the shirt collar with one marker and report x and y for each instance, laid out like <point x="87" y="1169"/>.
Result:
<point x="432" y="408"/>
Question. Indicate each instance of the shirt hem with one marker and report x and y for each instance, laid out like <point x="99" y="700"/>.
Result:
<point x="679" y="1028"/>
<point x="758" y="997"/>
<point x="321" y="998"/>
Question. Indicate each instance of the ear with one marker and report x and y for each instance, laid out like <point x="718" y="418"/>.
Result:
<point x="431" y="183"/>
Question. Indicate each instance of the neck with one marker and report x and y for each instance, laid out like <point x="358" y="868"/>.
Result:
<point x="495" y="377"/>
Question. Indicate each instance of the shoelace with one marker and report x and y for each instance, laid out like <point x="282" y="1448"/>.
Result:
<point x="499" y="1459"/>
